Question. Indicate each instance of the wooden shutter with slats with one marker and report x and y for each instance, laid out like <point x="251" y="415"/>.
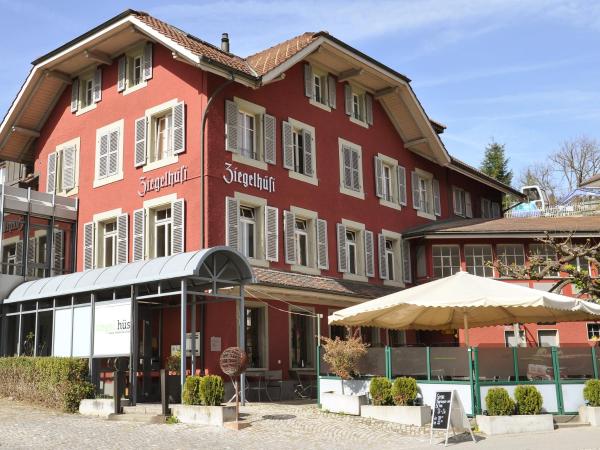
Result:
<point x="416" y="190"/>
<point x="289" y="226"/>
<point x="139" y="234"/>
<point x="113" y="152"/>
<point x="178" y="228"/>
<point x="406" y="265"/>
<point x="140" y="142"/>
<point x="383" y="272"/>
<point x="355" y="170"/>
<point x="269" y="133"/>
<point x="322" y="245"/>
<point x="232" y="222"/>
<point x="97" y="85"/>
<point x="51" y="173"/>
<point x="148" y="61"/>
<point x="68" y="168"/>
<point x="271" y="233"/>
<point x="347" y="174"/>
<point x="401" y="179"/>
<point x="348" y="99"/>
<point x="341" y="248"/>
<point x="308" y="80"/>
<point x="331" y="94"/>
<point x="122" y="74"/>
<point x="232" y="129"/>
<point x="369" y="254"/>
<point x="103" y="156"/>
<point x="378" y="176"/>
<point x="287" y="146"/>
<point x="437" y="204"/>
<point x="468" y="205"/>
<point x="88" y="245"/>
<point x="178" y="113"/>
<point x="122" y="238"/>
<point x="75" y="95"/>
<point x="58" y="247"/>
<point x="307" y="139"/>
<point x="369" y="109"/>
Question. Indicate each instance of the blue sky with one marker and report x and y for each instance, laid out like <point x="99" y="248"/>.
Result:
<point x="523" y="72"/>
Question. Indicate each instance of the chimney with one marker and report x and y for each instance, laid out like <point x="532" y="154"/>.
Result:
<point x="225" y="42"/>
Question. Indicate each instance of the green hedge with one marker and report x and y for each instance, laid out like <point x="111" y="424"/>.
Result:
<point x="58" y="383"/>
<point x="529" y="400"/>
<point x="208" y="390"/>
<point x="499" y="403"/>
<point x="591" y="392"/>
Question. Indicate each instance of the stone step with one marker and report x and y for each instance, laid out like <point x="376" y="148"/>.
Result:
<point x="572" y="424"/>
<point x="143" y="408"/>
<point x="566" y="418"/>
<point x="138" y="418"/>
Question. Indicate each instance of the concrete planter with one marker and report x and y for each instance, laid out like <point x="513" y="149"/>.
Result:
<point x="590" y="414"/>
<point x="491" y="425"/>
<point x="204" y="415"/>
<point x="406" y="415"/>
<point x="340" y="403"/>
<point x="99" y="407"/>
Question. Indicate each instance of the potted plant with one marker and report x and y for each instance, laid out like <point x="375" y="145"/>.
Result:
<point x="173" y="365"/>
<point x="343" y="357"/>
<point x="590" y="412"/>
<point x="202" y="398"/>
<point x="504" y="416"/>
<point x="396" y="402"/>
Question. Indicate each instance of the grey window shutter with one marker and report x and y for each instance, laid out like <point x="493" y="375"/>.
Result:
<point x="331" y="94"/>
<point x="307" y="138"/>
<point x="416" y="192"/>
<point x="341" y="248"/>
<point x="369" y="108"/>
<point x="31" y="244"/>
<point x="88" y="246"/>
<point x="148" y="61"/>
<point x="232" y="225"/>
<point x="232" y="130"/>
<point x="355" y="170"/>
<point x="347" y="156"/>
<point x="58" y="246"/>
<point x="113" y="152"/>
<point x="51" y="173"/>
<point x="19" y="258"/>
<point x="406" y="265"/>
<point x="122" y="238"/>
<point x="322" y="248"/>
<point x="289" y="225"/>
<point x="139" y="234"/>
<point x="378" y="177"/>
<point x="271" y="233"/>
<point x="369" y="254"/>
<point x="401" y="179"/>
<point x="308" y="80"/>
<point x="436" y="197"/>
<point x="495" y="210"/>
<point x="178" y="128"/>
<point x="269" y="139"/>
<point x="348" y="98"/>
<point x="456" y="201"/>
<point x="68" y="168"/>
<point x="468" y="205"/>
<point x="178" y="228"/>
<point x="103" y="156"/>
<point x="140" y="142"/>
<point x="287" y="146"/>
<point x="97" y="88"/>
<point x="122" y="76"/>
<point x="75" y="95"/>
<point x="383" y="272"/>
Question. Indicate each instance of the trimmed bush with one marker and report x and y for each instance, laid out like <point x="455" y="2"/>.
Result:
<point x="404" y="391"/>
<point x="529" y="400"/>
<point x="191" y="391"/>
<point x="381" y="391"/>
<point x="53" y="382"/>
<point x="499" y="403"/>
<point x="211" y="390"/>
<point x="591" y="392"/>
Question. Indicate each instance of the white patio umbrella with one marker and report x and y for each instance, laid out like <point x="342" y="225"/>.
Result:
<point x="464" y="300"/>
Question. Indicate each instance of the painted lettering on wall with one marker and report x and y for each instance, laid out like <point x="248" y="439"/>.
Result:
<point x="255" y="180"/>
<point x="168" y="179"/>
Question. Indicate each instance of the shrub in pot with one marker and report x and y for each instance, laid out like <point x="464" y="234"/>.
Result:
<point x="212" y="390"/>
<point x="381" y="391"/>
<point x="499" y="403"/>
<point x="591" y="393"/>
<point x="529" y="400"/>
<point x="191" y="391"/>
<point x="343" y="356"/>
<point x="404" y="391"/>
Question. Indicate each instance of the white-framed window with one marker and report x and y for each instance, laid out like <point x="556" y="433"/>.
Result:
<point x="160" y="135"/>
<point x="510" y="341"/>
<point x="421" y="261"/>
<point x="593" y="331"/>
<point x="159" y="228"/>
<point x="302" y="337"/>
<point x="359" y="105"/>
<point x="352" y="251"/>
<point x="305" y="241"/>
<point x="252" y="228"/>
<point x="319" y="87"/>
<point x="10" y="259"/>
<point x="109" y="243"/>
<point x="299" y="150"/>
<point x="548" y="338"/>
<point x="351" y="173"/>
<point x="461" y="200"/>
<point x="256" y="338"/>
<point x="371" y="336"/>
<point x="86" y="91"/>
<point x="425" y="194"/>
<point x="510" y="254"/>
<point x="390" y="258"/>
<point x="63" y="169"/>
<point x="106" y="240"/>
<point x="109" y="154"/>
<point x="476" y="258"/>
<point x="545" y="253"/>
<point x="249" y="133"/>
<point x="390" y="181"/>
<point x="490" y="209"/>
<point x="135" y="69"/>
<point x="446" y="260"/>
<point x="356" y="250"/>
<point x="301" y="241"/>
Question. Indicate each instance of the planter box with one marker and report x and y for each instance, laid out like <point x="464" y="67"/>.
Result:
<point x="590" y="414"/>
<point x="491" y="425"/>
<point x="406" y="415"/>
<point x="340" y="403"/>
<point x="99" y="407"/>
<point x="204" y="415"/>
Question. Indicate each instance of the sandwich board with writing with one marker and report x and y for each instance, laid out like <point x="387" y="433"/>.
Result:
<point x="448" y="412"/>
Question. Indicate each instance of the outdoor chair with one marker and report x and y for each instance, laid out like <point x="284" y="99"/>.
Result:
<point x="273" y="379"/>
<point x="305" y="385"/>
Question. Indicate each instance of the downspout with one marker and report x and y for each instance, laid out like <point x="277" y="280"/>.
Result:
<point x="203" y="238"/>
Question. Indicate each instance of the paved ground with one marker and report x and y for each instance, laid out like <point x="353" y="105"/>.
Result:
<point x="273" y="427"/>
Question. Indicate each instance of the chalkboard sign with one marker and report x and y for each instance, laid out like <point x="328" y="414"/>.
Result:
<point x="441" y="410"/>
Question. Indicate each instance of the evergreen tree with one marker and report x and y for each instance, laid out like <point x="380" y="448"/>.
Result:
<point x="495" y="163"/>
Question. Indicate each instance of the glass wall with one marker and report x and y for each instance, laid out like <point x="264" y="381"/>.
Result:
<point x="409" y="362"/>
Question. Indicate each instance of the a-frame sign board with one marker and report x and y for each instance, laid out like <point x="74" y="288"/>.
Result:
<point x="448" y="412"/>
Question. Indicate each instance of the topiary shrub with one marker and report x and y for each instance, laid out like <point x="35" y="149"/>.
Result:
<point x="404" y="391"/>
<point x="191" y="391"/>
<point x="499" y="403"/>
<point x="211" y="390"/>
<point x="381" y="391"/>
<point x="591" y="392"/>
<point x="529" y="400"/>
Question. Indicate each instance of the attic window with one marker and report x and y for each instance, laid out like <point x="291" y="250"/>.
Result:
<point x="135" y="68"/>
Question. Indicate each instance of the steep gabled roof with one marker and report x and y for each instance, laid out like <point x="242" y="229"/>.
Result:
<point x="267" y="60"/>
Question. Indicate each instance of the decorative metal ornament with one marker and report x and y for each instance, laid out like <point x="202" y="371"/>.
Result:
<point x="233" y="361"/>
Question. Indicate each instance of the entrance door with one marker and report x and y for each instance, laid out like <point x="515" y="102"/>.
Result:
<point x="149" y="354"/>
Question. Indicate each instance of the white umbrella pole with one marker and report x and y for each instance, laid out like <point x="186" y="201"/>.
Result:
<point x="466" y="321"/>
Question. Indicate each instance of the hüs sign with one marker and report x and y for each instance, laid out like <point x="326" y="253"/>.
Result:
<point x="112" y="329"/>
